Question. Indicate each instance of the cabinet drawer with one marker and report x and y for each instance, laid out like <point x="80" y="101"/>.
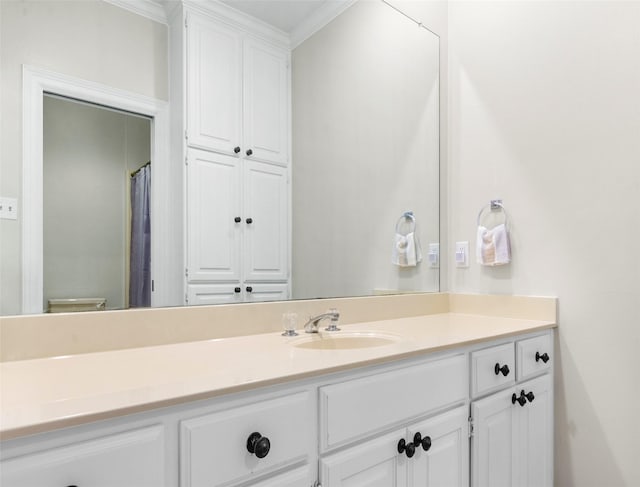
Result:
<point x="488" y="369"/>
<point x="364" y="406"/>
<point x="533" y="356"/>
<point x="213" y="448"/>
<point x="130" y="458"/>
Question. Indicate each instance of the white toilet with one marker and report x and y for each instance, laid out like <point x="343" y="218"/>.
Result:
<point x="69" y="305"/>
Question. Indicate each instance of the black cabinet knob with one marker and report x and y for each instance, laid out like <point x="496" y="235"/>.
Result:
<point x="522" y="400"/>
<point x="425" y="442"/>
<point x="237" y="290"/>
<point x="529" y="395"/>
<point x="504" y="369"/>
<point x="237" y="219"/>
<point x="249" y="152"/>
<point x="544" y="357"/>
<point x="258" y="445"/>
<point x="236" y="149"/>
<point x="408" y="449"/>
<point x="249" y="289"/>
<point x="249" y="221"/>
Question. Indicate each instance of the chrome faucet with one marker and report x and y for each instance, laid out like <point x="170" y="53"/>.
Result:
<point x="311" y="326"/>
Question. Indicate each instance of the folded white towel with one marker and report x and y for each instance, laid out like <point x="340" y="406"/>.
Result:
<point x="406" y="250"/>
<point x="492" y="246"/>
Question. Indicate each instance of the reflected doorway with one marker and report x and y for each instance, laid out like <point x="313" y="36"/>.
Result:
<point x="96" y="206"/>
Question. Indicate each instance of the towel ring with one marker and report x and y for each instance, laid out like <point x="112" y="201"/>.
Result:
<point x="493" y="206"/>
<point x="407" y="215"/>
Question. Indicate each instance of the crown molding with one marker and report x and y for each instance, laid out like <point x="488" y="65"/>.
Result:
<point x="147" y="8"/>
<point x="231" y="16"/>
<point x="317" y="20"/>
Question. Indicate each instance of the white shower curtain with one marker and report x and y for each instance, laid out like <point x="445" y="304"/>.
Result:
<point x="140" y="262"/>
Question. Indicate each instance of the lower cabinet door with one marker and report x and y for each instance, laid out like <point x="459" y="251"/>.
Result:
<point x="491" y="445"/>
<point x="373" y="463"/>
<point x="512" y="444"/>
<point x="533" y="435"/>
<point x="300" y="477"/>
<point x="442" y="451"/>
<point x="134" y="458"/>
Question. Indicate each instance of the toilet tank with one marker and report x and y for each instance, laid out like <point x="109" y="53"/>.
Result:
<point x="69" y="305"/>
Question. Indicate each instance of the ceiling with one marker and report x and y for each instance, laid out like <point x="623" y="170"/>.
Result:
<point x="285" y="15"/>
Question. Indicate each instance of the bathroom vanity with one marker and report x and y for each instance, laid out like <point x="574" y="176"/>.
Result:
<point x="442" y="399"/>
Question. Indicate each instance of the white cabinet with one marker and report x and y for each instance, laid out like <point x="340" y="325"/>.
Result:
<point x="513" y="436"/>
<point x="214" y="234"/>
<point x="442" y="457"/>
<point x="240" y="443"/>
<point x="265" y="102"/>
<point x="403" y="424"/>
<point x="372" y="463"/>
<point x="235" y="243"/>
<point x="438" y="457"/>
<point x="237" y="92"/>
<point x="128" y="458"/>
<point x="231" y="96"/>
<point x="214" y="85"/>
<point x="265" y="218"/>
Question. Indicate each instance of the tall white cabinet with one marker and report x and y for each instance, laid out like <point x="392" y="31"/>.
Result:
<point x="231" y="101"/>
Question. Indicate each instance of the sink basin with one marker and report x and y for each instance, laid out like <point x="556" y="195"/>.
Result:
<point x="345" y="341"/>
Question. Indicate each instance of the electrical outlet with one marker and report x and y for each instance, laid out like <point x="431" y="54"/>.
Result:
<point x="8" y="208"/>
<point x="434" y="255"/>
<point x="461" y="254"/>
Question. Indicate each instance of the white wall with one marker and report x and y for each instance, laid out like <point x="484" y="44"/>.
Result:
<point x="365" y="149"/>
<point x="88" y="154"/>
<point x="545" y="113"/>
<point x="88" y="39"/>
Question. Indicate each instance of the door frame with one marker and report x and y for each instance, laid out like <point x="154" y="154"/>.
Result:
<point x="35" y="83"/>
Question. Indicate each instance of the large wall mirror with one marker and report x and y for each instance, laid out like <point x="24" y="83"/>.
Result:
<point x="364" y="172"/>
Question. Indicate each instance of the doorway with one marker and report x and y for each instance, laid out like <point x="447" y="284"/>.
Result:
<point x="166" y="220"/>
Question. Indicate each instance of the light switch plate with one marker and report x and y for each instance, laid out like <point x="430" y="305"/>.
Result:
<point x="8" y="208"/>
<point x="461" y="253"/>
<point x="434" y="255"/>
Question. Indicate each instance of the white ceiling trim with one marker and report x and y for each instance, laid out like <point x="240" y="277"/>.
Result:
<point x="317" y="20"/>
<point x="146" y="8"/>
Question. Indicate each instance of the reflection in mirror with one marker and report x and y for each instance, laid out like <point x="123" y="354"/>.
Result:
<point x="96" y="235"/>
<point x="365" y="151"/>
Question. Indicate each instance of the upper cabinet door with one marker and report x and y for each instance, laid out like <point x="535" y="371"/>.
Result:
<point x="213" y="217"/>
<point x="266" y="103"/>
<point x="265" y="222"/>
<point x="214" y="86"/>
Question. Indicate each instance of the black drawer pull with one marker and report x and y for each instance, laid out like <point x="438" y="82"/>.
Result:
<point x="408" y="449"/>
<point x="425" y="442"/>
<point x="258" y="445"/>
<point x="504" y="369"/>
<point x="544" y="357"/>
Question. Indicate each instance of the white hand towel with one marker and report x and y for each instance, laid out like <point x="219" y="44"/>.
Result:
<point x="492" y="246"/>
<point x="406" y="250"/>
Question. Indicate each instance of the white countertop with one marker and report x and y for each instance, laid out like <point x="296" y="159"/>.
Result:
<point x="45" y="394"/>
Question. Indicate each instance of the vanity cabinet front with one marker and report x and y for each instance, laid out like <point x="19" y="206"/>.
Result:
<point x="408" y="423"/>
<point x="430" y="453"/>
<point x="133" y="458"/>
<point x="512" y="441"/>
<point x="238" y="443"/>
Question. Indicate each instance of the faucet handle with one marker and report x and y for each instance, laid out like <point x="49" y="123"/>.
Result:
<point x="334" y="315"/>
